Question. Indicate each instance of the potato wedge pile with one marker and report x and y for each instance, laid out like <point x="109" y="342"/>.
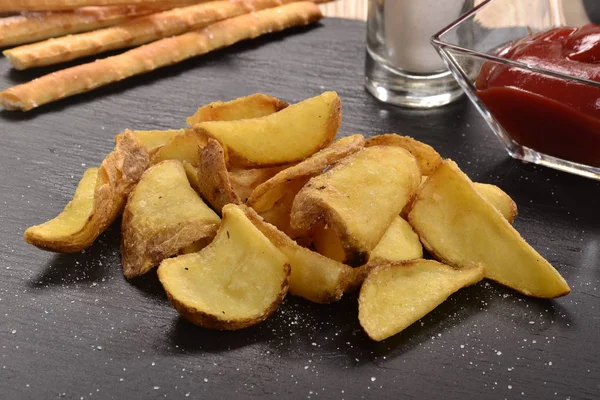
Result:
<point x="256" y="199"/>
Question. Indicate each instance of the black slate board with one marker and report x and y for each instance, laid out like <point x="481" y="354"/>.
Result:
<point x="72" y="327"/>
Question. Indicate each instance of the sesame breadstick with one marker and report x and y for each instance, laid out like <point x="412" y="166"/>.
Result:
<point x="164" y="52"/>
<point x="134" y="33"/>
<point x="31" y="27"/>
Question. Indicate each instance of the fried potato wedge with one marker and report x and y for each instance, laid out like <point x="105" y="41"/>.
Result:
<point x="287" y="136"/>
<point x="154" y="140"/>
<point x="182" y="147"/>
<point x="68" y="229"/>
<point x="396" y="295"/>
<point x="359" y="198"/>
<point x="499" y="199"/>
<point x="104" y="190"/>
<point x="235" y="282"/>
<point x="163" y="215"/>
<point x="265" y="195"/>
<point x="182" y="143"/>
<point x="119" y="172"/>
<point x="459" y="227"/>
<point x="244" y="181"/>
<point x="492" y="193"/>
<point x="213" y="178"/>
<point x="399" y="243"/>
<point x="426" y="155"/>
<point x="253" y="106"/>
<point x="313" y="276"/>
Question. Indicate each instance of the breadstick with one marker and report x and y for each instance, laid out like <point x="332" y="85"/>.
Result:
<point x="34" y="26"/>
<point x="164" y="52"/>
<point x="53" y="5"/>
<point x="134" y="33"/>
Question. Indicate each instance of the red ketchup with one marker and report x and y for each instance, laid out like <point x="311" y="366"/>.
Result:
<point x="551" y="115"/>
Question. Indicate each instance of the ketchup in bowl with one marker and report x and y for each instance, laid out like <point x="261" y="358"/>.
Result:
<point x="556" y="116"/>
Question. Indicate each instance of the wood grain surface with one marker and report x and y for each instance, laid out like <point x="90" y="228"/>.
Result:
<point x="72" y="327"/>
<point x="352" y="9"/>
<point x="508" y="11"/>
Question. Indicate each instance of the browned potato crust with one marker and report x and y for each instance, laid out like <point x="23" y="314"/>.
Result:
<point x="213" y="178"/>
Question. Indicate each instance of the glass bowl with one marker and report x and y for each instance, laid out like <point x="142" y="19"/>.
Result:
<point x="561" y="130"/>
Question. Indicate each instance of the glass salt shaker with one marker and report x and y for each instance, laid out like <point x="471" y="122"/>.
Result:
<point x="402" y="68"/>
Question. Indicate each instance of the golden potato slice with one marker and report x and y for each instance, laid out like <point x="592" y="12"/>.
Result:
<point x="426" y="155"/>
<point x="396" y="295"/>
<point x="399" y="243"/>
<point x="100" y="199"/>
<point x="313" y="277"/>
<point x="162" y="216"/>
<point x="499" y="199"/>
<point x="154" y="140"/>
<point x="253" y="106"/>
<point x="70" y="227"/>
<point x="287" y="136"/>
<point x="359" y="198"/>
<point x="265" y="195"/>
<point x="244" y="181"/>
<point x="213" y="178"/>
<point x="459" y="227"/>
<point x="235" y="282"/>
<point x="182" y="147"/>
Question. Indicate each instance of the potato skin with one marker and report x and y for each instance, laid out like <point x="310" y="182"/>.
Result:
<point x="117" y="176"/>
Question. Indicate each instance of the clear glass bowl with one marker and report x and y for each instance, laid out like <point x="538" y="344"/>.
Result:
<point x="471" y="44"/>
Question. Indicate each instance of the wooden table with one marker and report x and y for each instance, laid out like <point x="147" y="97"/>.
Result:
<point x="72" y="327"/>
<point x="573" y="11"/>
<point x="352" y="9"/>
